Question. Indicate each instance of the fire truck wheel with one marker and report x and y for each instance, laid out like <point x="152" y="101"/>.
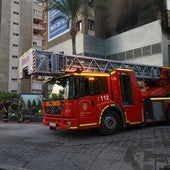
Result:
<point x="110" y="123"/>
<point x="52" y="128"/>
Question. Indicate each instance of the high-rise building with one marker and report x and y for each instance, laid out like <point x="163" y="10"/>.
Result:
<point x="21" y="28"/>
<point x="133" y="30"/>
<point x="136" y="31"/>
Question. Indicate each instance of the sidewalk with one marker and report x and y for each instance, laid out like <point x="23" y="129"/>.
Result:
<point x="27" y="119"/>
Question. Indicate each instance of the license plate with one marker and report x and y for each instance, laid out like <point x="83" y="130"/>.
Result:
<point x="52" y="124"/>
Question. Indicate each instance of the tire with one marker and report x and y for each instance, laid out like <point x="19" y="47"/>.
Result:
<point x="110" y="123"/>
<point x="52" y="128"/>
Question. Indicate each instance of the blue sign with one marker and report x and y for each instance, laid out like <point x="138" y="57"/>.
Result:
<point x="56" y="27"/>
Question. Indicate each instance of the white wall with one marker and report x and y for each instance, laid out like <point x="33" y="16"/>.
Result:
<point x="139" y="37"/>
<point x="67" y="46"/>
<point x="136" y="38"/>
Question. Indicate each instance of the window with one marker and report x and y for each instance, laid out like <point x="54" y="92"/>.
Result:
<point x="34" y="43"/>
<point x="14" y="56"/>
<point x="17" y="13"/>
<point x="16" y="2"/>
<point x="14" y="68"/>
<point x="90" y="24"/>
<point x="122" y="56"/>
<point x="137" y="52"/>
<point x="15" y="45"/>
<point x="15" y="34"/>
<point x="14" y="79"/>
<point x="127" y="94"/>
<point x="129" y="54"/>
<point x="38" y="12"/>
<point x="156" y="48"/>
<point x="78" y="25"/>
<point x="88" y="86"/>
<point x="115" y="57"/>
<point x="146" y="50"/>
<point x="62" y="88"/>
<point x="14" y="91"/>
<point x="15" y="23"/>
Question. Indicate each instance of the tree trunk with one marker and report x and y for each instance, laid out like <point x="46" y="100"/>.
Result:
<point x="73" y="33"/>
<point x="73" y="39"/>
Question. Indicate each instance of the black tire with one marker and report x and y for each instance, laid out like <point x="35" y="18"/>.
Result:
<point x="52" y="128"/>
<point x="110" y="123"/>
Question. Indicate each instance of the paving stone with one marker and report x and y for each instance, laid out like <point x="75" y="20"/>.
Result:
<point x="33" y="147"/>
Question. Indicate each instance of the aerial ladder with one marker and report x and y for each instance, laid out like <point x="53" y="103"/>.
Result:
<point x="44" y="63"/>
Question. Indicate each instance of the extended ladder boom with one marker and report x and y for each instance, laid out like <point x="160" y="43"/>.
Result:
<point x="48" y="64"/>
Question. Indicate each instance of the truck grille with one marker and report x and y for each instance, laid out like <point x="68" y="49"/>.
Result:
<point x="53" y="109"/>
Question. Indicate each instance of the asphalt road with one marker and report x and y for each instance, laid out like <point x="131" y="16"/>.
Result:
<point x="34" y="147"/>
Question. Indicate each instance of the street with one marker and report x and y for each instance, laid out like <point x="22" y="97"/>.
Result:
<point x="34" y="147"/>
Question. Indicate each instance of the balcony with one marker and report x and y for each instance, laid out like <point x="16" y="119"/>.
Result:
<point x="38" y="17"/>
<point x="38" y="12"/>
<point x="37" y="37"/>
<point x="38" y="47"/>
<point x="38" y="27"/>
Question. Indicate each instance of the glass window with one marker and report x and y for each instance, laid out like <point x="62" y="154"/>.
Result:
<point x="74" y="87"/>
<point x="146" y="50"/>
<point x="59" y="89"/>
<point x="129" y="54"/>
<point x="16" y="2"/>
<point x="78" y="25"/>
<point x="115" y="57"/>
<point x="137" y="52"/>
<point x="122" y="56"/>
<point x="88" y="86"/>
<point x="156" y="48"/>
<point x="90" y="24"/>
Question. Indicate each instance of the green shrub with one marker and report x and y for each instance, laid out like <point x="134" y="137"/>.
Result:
<point x="7" y="95"/>
<point x="29" y="104"/>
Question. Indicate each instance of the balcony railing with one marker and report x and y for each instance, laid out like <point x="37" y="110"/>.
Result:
<point x="38" y="27"/>
<point x="37" y="37"/>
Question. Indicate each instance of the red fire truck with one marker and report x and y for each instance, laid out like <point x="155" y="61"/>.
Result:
<point x="84" y="93"/>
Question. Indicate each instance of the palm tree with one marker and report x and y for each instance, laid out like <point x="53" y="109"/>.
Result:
<point x="70" y="11"/>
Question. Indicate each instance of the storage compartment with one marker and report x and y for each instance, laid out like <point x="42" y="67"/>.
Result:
<point x="153" y="110"/>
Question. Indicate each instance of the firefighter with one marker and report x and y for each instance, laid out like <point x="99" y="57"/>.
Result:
<point x="1" y="107"/>
<point x="3" y="111"/>
<point x="21" y="106"/>
<point x="7" y="106"/>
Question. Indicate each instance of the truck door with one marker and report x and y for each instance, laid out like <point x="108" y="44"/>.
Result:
<point x="131" y="98"/>
<point x="89" y="89"/>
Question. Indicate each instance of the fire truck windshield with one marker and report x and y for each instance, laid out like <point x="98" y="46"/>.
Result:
<point x="72" y="87"/>
<point x="59" y="89"/>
